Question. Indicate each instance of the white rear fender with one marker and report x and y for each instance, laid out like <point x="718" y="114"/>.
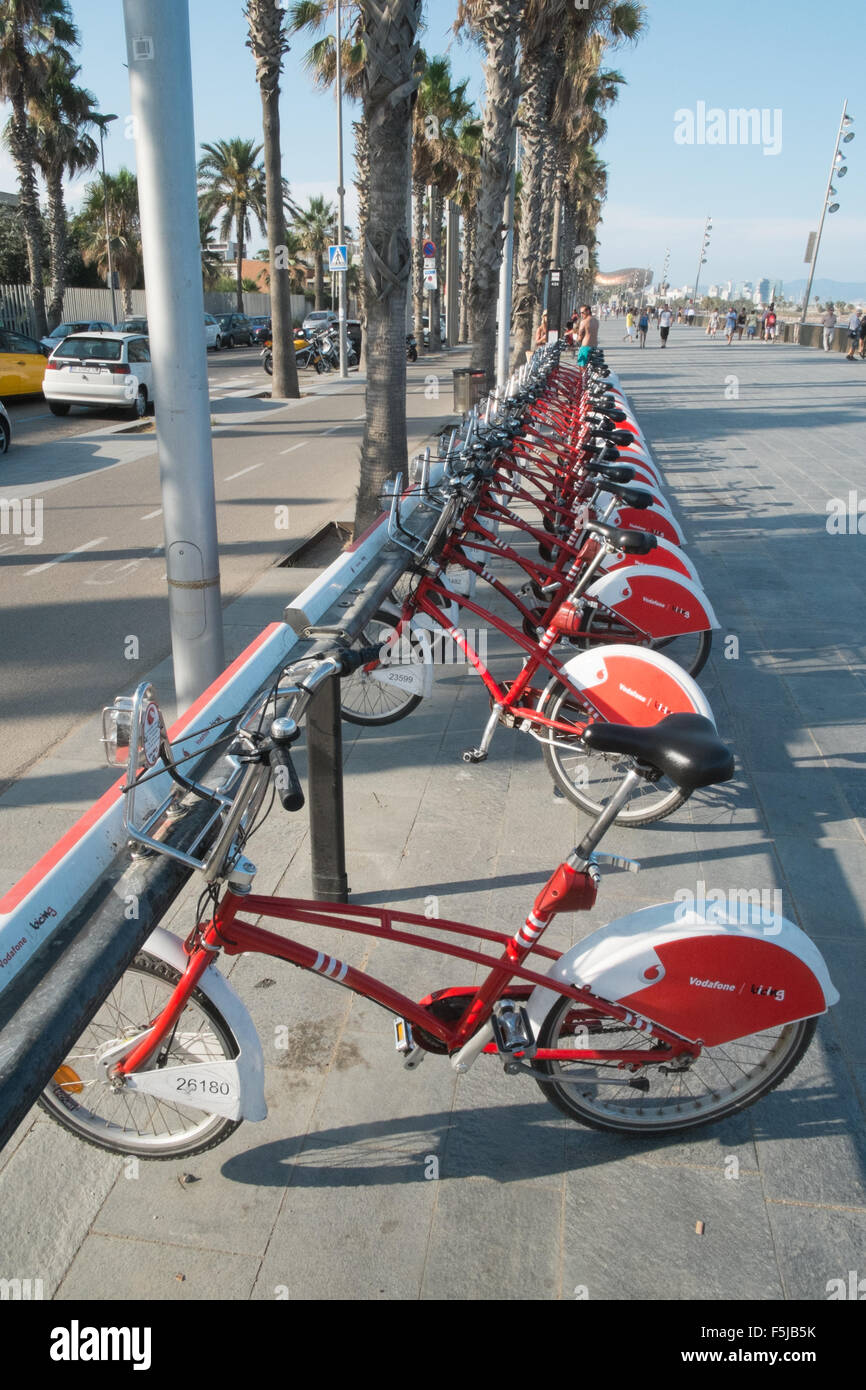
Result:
<point x="655" y="600"/>
<point x="664" y="555"/>
<point x="248" y="1066"/>
<point x="632" y="685"/>
<point x="712" y="975"/>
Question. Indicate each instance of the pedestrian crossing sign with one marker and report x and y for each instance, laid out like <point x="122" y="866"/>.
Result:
<point x="337" y="259"/>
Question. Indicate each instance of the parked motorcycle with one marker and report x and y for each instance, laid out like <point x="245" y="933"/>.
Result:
<point x="411" y="348"/>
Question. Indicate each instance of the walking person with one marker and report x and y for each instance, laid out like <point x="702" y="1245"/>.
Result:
<point x="643" y="327"/>
<point x="853" y="334"/>
<point x="666" y="318"/>
<point x="863" y="336"/>
<point x="541" y="331"/>
<point x="731" y="325"/>
<point x="741" y="324"/>
<point x="771" y="324"/>
<point x="586" y="334"/>
<point x="828" y="323"/>
<point x="752" y="330"/>
<point x="629" y="326"/>
<point x="713" y="324"/>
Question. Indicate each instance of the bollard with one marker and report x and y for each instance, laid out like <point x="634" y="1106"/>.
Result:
<point x="325" y="782"/>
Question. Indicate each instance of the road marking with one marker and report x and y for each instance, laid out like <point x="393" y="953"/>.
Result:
<point x="293" y="447"/>
<point x="151" y="515"/>
<point x="88" y="545"/>
<point x="251" y="469"/>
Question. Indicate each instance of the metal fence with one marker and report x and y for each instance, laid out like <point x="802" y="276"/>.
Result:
<point x="16" y="305"/>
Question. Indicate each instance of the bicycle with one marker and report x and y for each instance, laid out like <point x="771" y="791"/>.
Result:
<point x="654" y="1024"/>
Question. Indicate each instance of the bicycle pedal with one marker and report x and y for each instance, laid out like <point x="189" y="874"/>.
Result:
<point x="474" y="755"/>
<point x="512" y="1029"/>
<point x="404" y="1041"/>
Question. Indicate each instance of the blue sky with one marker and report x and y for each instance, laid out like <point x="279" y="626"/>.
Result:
<point x="780" y="55"/>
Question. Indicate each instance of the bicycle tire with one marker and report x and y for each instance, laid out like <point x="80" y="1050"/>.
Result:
<point x="625" y="1110"/>
<point x="203" y="1131"/>
<point x="574" y="769"/>
<point x="365" y="701"/>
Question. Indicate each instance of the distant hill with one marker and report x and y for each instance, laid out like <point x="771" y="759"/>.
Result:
<point x="849" y="290"/>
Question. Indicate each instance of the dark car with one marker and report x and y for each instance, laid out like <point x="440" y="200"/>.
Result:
<point x="261" y="327"/>
<point x="236" y="328"/>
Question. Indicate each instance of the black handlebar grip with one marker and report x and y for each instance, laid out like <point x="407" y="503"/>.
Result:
<point x="354" y="660"/>
<point x="285" y="778"/>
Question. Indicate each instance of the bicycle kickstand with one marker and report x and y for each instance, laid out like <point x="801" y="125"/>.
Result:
<point x="479" y="755"/>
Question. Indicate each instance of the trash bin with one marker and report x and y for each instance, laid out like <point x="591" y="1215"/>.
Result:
<point x="469" y="385"/>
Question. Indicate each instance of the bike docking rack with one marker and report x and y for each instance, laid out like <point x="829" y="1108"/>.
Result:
<point x="70" y="927"/>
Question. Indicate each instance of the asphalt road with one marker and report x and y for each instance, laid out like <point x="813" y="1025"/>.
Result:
<point x="33" y="423"/>
<point x="83" y="613"/>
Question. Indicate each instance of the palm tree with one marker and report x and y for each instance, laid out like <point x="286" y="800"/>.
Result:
<point x="556" y="39"/>
<point x="467" y="200"/>
<point x="120" y="192"/>
<point x="60" y="113"/>
<point x="496" y="23"/>
<point x="231" y="187"/>
<point x="29" y="30"/>
<point x="388" y="32"/>
<point x="268" y="41"/>
<point x="211" y="261"/>
<point x="316" y="227"/>
<point x="436" y="152"/>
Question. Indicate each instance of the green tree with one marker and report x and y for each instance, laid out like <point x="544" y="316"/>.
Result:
<point x="266" y="22"/>
<point x="120" y="192"/>
<point x="316" y="227"/>
<point x="30" y="30"/>
<point x="231" y="187"/>
<point x="61" y="113"/>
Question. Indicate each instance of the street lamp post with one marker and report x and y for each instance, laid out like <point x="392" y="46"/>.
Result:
<point x="103" y="122"/>
<point x="341" y="192"/>
<point x="708" y="227"/>
<point x="838" y="169"/>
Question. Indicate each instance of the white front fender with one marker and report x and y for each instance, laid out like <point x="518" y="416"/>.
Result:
<point x="249" y="1062"/>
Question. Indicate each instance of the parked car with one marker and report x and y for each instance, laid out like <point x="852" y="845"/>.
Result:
<point x="442" y="337"/>
<point x="22" y="364"/>
<point x="319" y="319"/>
<point x="213" y="337"/>
<point x="63" y="330"/>
<point x="136" y="324"/>
<point x="261" y="326"/>
<point x="100" y="369"/>
<point x="235" y="328"/>
<point x="5" y="430"/>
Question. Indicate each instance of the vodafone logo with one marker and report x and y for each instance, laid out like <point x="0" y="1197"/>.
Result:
<point x="627" y="690"/>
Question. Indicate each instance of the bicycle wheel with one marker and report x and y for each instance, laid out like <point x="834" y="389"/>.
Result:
<point x="589" y="778"/>
<point x="687" y="1093"/>
<point x="133" y="1122"/>
<point x="690" y="651"/>
<point x="364" y="700"/>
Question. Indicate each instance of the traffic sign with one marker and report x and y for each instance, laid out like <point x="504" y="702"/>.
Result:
<point x="430" y="279"/>
<point x="429" y="249"/>
<point x="429" y="264"/>
<point x="337" y="259"/>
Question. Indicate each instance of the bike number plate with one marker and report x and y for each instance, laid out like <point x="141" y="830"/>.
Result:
<point x="211" y="1086"/>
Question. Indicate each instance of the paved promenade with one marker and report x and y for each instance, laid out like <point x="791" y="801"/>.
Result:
<point x="370" y="1182"/>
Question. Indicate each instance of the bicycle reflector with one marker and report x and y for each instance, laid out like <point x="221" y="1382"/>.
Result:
<point x="117" y="730"/>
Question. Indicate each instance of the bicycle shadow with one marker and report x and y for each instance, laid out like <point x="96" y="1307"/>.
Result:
<point x="514" y="1143"/>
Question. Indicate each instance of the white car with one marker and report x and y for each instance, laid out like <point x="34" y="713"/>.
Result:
<point x="212" y="333"/>
<point x="99" y="369"/>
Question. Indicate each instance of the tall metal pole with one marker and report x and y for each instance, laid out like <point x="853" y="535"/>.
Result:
<point x="160" y="87"/>
<point x="341" y="193"/>
<point x="506" y="271"/>
<point x="105" y="120"/>
<point x="452" y="273"/>
<point x="805" y="308"/>
<point x="704" y="243"/>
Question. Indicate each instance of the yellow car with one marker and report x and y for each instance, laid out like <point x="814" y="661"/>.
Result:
<point x="22" y="364"/>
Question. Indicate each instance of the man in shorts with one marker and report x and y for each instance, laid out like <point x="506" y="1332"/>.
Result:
<point x="586" y="335"/>
<point x="666" y="318"/>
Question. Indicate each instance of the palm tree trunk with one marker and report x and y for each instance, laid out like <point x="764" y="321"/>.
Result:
<point x="57" y="245"/>
<point x="362" y="184"/>
<point x="418" y="262"/>
<point x="436" y="204"/>
<point x="465" y="271"/>
<point x="389" y="34"/>
<point x="499" y="29"/>
<point x="266" y="20"/>
<point x="539" y="80"/>
<point x="21" y="149"/>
